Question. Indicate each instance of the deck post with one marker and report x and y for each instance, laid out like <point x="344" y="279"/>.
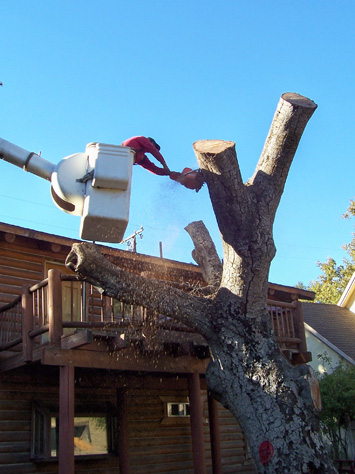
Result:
<point x="66" y="420"/>
<point x="27" y="323"/>
<point x="124" y="458"/>
<point x="196" y="421"/>
<point x="214" y="434"/>
<point x="299" y="326"/>
<point x="55" y="306"/>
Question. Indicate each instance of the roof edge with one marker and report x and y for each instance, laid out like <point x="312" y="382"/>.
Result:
<point x="300" y="292"/>
<point x="329" y="344"/>
<point x="58" y="239"/>
<point x="347" y="292"/>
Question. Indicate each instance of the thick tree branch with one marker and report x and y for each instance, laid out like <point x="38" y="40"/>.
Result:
<point x="205" y="253"/>
<point x="291" y="117"/>
<point x="218" y="161"/>
<point x="87" y="261"/>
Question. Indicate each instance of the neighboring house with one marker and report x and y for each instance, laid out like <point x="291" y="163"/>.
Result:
<point x="127" y="385"/>
<point x="330" y="331"/>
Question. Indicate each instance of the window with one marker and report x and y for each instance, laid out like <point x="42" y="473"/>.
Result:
<point x="178" y="409"/>
<point x="93" y="434"/>
<point x="90" y="435"/>
<point x="72" y="299"/>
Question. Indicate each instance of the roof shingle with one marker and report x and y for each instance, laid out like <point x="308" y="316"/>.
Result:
<point x="334" y="323"/>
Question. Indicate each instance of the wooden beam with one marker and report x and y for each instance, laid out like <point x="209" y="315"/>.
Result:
<point x="66" y="420"/>
<point x="214" y="434"/>
<point x="126" y="359"/>
<point x="299" y="326"/>
<point x="116" y="343"/>
<point x="301" y="357"/>
<point x="123" y="435"/>
<point x="196" y="421"/>
<point x="78" y="339"/>
<point x="12" y="362"/>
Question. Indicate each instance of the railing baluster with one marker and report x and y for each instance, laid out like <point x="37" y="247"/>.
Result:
<point x="102" y="307"/>
<point x="27" y="324"/>
<point x="71" y="301"/>
<point x="44" y="307"/>
<point x="55" y="313"/>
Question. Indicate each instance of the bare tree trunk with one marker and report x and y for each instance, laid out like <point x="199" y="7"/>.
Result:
<point x="248" y="374"/>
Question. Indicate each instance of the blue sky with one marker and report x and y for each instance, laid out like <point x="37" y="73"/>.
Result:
<point x="180" y="71"/>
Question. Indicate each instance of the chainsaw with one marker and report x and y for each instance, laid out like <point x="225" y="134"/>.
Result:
<point x="191" y="179"/>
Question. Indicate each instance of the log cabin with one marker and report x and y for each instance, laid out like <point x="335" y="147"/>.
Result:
<point x="89" y="384"/>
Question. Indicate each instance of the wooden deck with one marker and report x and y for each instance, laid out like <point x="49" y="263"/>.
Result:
<point x="64" y="321"/>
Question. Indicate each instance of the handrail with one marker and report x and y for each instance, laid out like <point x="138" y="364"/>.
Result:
<point x="39" y="332"/>
<point x="10" y="305"/>
<point x="282" y="304"/>
<point x="11" y="344"/>
<point x="65" y="277"/>
<point x="103" y="314"/>
<point x="38" y="286"/>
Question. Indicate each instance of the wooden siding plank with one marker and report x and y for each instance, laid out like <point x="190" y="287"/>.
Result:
<point x="6" y="271"/>
<point x="15" y="447"/>
<point x="15" y="425"/>
<point x="10" y="436"/>
<point x="31" y="262"/>
<point x="18" y="468"/>
<point x="14" y="414"/>
<point x="18" y="281"/>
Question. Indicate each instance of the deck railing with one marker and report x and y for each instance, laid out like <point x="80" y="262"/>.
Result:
<point x="62" y="303"/>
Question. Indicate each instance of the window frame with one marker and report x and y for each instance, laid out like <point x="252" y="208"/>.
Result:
<point x="176" y="419"/>
<point x="41" y="416"/>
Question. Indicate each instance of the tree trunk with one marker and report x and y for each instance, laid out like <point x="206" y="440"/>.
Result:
<point x="270" y="398"/>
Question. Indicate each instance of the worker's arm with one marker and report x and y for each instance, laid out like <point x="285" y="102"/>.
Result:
<point x="148" y="165"/>
<point x="148" y="147"/>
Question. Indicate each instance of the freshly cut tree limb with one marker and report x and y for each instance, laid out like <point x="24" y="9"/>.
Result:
<point x="218" y="162"/>
<point x="205" y="253"/>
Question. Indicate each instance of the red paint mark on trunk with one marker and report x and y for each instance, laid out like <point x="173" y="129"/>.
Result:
<point x="266" y="452"/>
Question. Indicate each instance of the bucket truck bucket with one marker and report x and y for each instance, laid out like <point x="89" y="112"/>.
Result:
<point x="100" y="191"/>
<point x="107" y="197"/>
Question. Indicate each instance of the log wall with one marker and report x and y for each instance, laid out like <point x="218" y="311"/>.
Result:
<point x="23" y="254"/>
<point x="22" y="263"/>
<point x="156" y="447"/>
<point x="166" y="448"/>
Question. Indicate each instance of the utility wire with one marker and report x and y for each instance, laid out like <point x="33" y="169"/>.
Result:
<point x="27" y="201"/>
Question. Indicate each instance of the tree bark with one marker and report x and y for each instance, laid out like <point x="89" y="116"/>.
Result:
<point x="205" y="253"/>
<point x="270" y="398"/>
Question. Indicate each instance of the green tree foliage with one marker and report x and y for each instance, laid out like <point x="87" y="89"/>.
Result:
<point x="338" y="399"/>
<point x="330" y="285"/>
